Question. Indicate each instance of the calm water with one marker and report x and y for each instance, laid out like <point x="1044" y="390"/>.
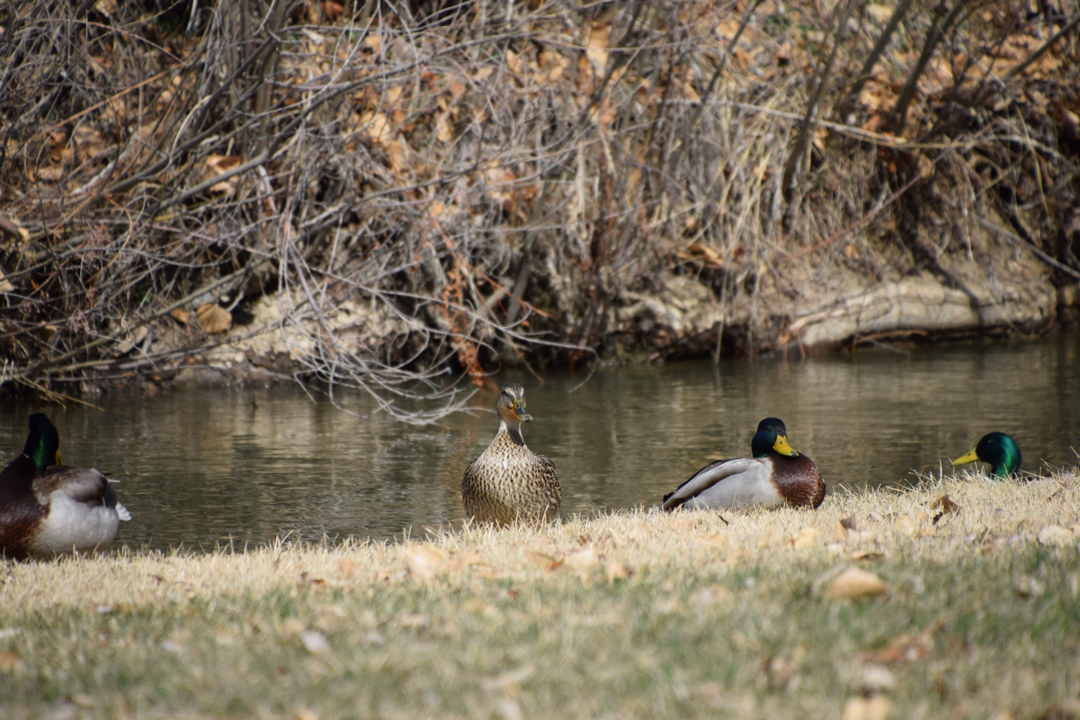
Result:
<point x="202" y="467"/>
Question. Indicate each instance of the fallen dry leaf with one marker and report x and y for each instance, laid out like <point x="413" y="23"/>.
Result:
<point x="221" y="163"/>
<point x="703" y="254"/>
<point x="333" y="10"/>
<point x="1029" y="587"/>
<point x="315" y="642"/>
<point x="214" y="319"/>
<point x="944" y="505"/>
<point x="546" y="562"/>
<point x="424" y="561"/>
<point x="803" y="539"/>
<point x="717" y="540"/>
<point x="840" y="531"/>
<point x="180" y="316"/>
<point x="82" y="700"/>
<point x="415" y="621"/>
<point x="865" y="555"/>
<point x="873" y="678"/>
<point x="346" y="567"/>
<point x="853" y="583"/>
<point x="8" y="660"/>
<point x="582" y="561"/>
<point x="462" y="561"/>
<point x="880" y="14"/>
<point x="11" y="228"/>
<point x="616" y="571"/>
<point x="874" y="707"/>
<point x="904" y="648"/>
<point x="904" y="525"/>
<point x="1056" y="535"/>
<point x="225" y="187"/>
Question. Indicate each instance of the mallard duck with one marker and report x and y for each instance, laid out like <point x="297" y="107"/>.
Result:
<point x="775" y="476"/>
<point x="47" y="508"/>
<point x="509" y="481"/>
<point x="999" y="451"/>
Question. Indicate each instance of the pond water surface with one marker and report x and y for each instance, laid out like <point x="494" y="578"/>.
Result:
<point x="205" y="467"/>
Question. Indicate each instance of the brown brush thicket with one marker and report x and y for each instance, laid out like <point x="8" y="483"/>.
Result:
<point x="404" y="194"/>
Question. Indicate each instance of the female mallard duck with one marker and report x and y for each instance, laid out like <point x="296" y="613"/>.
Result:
<point x="999" y="451"/>
<point x="775" y="476"/>
<point x="47" y="508"/>
<point x="509" y="481"/>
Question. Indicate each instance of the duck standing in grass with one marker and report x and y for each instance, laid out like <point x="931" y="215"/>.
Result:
<point x="47" y="508"/>
<point x="775" y="476"/>
<point x="999" y="451"/>
<point x="510" y="482"/>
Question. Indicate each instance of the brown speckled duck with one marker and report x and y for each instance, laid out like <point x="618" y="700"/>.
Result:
<point x="775" y="476"/>
<point x="47" y="508"/>
<point x="509" y="482"/>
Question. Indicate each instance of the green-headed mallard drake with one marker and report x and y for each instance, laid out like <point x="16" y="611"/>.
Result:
<point x="775" y="476"/>
<point x="509" y="481"/>
<point x="47" y="508"/>
<point x="999" y="451"/>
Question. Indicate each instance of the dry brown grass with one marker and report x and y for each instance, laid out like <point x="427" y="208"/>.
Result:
<point x="898" y="525"/>
<point x="631" y="614"/>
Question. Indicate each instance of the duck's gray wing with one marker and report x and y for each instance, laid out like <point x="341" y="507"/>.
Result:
<point x="726" y="484"/>
<point x="84" y="485"/>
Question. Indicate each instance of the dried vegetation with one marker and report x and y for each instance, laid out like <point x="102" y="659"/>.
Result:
<point x="956" y="598"/>
<point x="388" y="197"/>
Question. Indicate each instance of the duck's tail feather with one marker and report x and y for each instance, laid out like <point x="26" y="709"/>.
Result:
<point x="122" y="511"/>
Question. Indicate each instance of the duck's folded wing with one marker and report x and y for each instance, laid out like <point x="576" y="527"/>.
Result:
<point x="82" y="485"/>
<point x="547" y="467"/>
<point x="724" y="483"/>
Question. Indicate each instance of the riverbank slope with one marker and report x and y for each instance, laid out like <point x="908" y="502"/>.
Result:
<point x="379" y="199"/>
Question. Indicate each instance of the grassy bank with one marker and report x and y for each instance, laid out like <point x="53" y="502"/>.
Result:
<point x="635" y="615"/>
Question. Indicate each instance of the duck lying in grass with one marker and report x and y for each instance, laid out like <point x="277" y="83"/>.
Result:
<point x="510" y="482"/>
<point x="775" y="476"/>
<point x="47" y="508"/>
<point x="997" y="450"/>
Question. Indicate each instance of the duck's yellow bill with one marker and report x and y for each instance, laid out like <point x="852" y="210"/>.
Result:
<point x="969" y="458"/>
<point x="781" y="446"/>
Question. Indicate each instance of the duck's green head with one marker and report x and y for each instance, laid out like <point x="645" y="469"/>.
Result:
<point x="771" y="436"/>
<point x="43" y="443"/>
<point x="997" y="449"/>
<point x="511" y="404"/>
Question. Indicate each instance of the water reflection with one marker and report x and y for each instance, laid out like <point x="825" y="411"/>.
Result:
<point x="217" y="466"/>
